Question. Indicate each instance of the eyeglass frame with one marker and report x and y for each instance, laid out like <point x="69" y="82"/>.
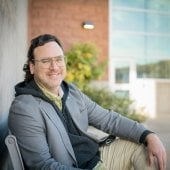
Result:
<point x="50" y="60"/>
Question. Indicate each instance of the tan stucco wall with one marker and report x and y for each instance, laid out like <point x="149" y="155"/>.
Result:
<point x="163" y="98"/>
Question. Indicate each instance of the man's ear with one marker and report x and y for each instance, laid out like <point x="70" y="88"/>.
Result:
<point x="31" y="66"/>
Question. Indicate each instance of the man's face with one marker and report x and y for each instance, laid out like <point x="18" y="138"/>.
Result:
<point x="49" y="68"/>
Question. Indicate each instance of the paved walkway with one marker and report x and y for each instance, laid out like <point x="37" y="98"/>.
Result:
<point x="161" y="126"/>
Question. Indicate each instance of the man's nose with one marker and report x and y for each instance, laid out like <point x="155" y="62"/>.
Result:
<point x="53" y="63"/>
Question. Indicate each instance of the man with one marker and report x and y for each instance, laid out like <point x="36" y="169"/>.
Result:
<point x="50" y="119"/>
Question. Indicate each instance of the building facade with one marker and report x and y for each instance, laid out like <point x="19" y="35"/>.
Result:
<point x="132" y="35"/>
<point x="139" y="53"/>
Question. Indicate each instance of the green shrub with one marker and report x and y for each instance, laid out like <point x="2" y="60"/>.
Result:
<point x="109" y="100"/>
<point x="83" y="67"/>
<point x="83" y="64"/>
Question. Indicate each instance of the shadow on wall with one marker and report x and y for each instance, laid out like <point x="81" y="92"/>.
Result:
<point x="13" y="34"/>
<point x="3" y="148"/>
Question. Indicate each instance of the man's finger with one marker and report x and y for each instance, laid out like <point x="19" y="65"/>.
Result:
<point x="151" y="159"/>
<point x="162" y="161"/>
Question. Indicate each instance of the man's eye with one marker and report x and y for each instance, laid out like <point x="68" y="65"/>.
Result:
<point x="59" y="59"/>
<point x="45" y="60"/>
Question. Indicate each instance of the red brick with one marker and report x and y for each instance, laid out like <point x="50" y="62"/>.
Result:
<point x="64" y="19"/>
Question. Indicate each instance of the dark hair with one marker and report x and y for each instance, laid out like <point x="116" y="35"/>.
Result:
<point x="36" y="42"/>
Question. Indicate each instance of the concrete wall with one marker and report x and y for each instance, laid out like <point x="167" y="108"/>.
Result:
<point x="13" y="40"/>
<point x="143" y="92"/>
<point x="163" y="97"/>
<point x="153" y="95"/>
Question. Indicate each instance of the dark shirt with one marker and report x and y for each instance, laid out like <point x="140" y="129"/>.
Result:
<point x="85" y="149"/>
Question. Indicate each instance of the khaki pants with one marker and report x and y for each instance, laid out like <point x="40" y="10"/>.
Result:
<point x="124" y="155"/>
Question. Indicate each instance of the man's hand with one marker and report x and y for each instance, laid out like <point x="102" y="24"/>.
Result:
<point x="156" y="150"/>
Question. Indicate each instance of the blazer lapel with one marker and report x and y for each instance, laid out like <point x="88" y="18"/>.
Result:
<point x="78" y="117"/>
<point x="53" y="116"/>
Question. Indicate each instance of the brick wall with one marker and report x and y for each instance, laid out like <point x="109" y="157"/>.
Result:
<point x="64" y="19"/>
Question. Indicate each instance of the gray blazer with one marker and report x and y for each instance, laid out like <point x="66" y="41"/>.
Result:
<point x="41" y="135"/>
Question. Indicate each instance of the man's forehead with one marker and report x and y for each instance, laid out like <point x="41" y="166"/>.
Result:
<point x="48" y="49"/>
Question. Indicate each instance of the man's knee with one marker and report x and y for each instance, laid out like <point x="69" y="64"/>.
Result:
<point x="118" y="154"/>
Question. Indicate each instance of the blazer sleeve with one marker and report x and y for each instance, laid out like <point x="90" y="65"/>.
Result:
<point x="111" y="122"/>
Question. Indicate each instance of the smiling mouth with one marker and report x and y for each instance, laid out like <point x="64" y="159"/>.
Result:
<point x="54" y="74"/>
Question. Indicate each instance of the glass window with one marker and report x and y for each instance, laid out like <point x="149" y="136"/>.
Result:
<point x="158" y="47"/>
<point x="140" y="29"/>
<point x="161" y="5"/>
<point x="158" y="23"/>
<point x="153" y="68"/>
<point x="128" y="20"/>
<point x="127" y="45"/>
<point x="129" y="3"/>
<point x="140" y="21"/>
<point x="122" y="72"/>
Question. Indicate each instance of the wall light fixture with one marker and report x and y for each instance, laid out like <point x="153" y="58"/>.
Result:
<point x="88" y="25"/>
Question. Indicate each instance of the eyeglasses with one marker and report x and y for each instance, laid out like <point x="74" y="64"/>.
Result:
<point x="47" y="62"/>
